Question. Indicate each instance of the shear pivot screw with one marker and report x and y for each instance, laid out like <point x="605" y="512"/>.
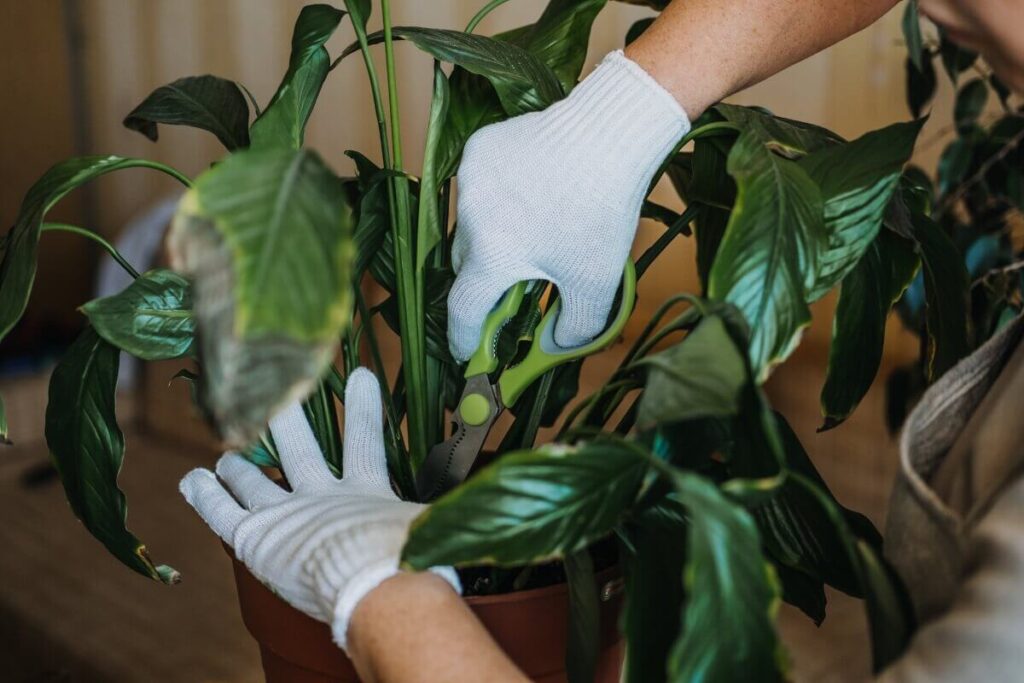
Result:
<point x="474" y="410"/>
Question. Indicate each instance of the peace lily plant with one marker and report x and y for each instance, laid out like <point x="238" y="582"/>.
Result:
<point x="677" y="463"/>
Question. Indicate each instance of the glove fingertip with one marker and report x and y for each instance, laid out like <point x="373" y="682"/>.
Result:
<point x="192" y="482"/>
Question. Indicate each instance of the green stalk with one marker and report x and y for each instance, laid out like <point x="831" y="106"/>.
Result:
<point x="398" y="464"/>
<point x="110" y="249"/>
<point x="410" y="310"/>
<point x="484" y="11"/>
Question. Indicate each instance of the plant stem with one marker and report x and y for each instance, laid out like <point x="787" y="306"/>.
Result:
<point x="409" y="310"/>
<point x="484" y="11"/>
<point x="164" y="168"/>
<point x="110" y="249"/>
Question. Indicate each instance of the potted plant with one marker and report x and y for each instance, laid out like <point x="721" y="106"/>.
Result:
<point x="675" y="475"/>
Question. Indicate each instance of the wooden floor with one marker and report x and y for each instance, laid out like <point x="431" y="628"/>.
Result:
<point x="68" y="612"/>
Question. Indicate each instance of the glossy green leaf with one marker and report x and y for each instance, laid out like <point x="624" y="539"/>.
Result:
<point x="786" y="137"/>
<point x="921" y="85"/>
<point x="21" y="243"/>
<point x="702" y="376"/>
<point x="428" y="224"/>
<point x="213" y="104"/>
<point x="954" y="163"/>
<point x="654" y="592"/>
<point x="800" y="590"/>
<point x="890" y="617"/>
<point x="283" y="122"/>
<point x="265" y="237"/>
<point x="373" y="227"/>
<point x="730" y="589"/>
<point x="970" y="102"/>
<point x="946" y="284"/>
<point x="322" y="415"/>
<point x="772" y="246"/>
<point x="584" y="631"/>
<point x="955" y="59"/>
<point x="560" y="37"/>
<point x="528" y="507"/>
<point x="857" y="181"/>
<point x="151" y="319"/>
<point x="359" y="11"/>
<point x="912" y="34"/>
<point x="858" y="330"/>
<point x="87" y="448"/>
<point x="522" y="81"/>
<point x="794" y="529"/>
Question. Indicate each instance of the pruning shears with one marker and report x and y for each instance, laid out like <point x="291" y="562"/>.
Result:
<point x="448" y="463"/>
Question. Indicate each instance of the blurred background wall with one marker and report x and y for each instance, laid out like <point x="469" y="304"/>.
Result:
<point x="70" y="70"/>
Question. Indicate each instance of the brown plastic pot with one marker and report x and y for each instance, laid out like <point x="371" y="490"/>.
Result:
<point x="530" y="626"/>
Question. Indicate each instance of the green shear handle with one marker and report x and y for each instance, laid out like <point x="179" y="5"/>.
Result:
<point x="544" y="353"/>
<point x="448" y="463"/>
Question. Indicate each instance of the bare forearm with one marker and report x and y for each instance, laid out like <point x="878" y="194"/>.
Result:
<point x="702" y="51"/>
<point x="413" y="628"/>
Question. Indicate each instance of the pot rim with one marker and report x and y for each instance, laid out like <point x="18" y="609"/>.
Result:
<point x="602" y="577"/>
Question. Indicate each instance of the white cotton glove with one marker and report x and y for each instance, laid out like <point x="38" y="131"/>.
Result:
<point x="326" y="544"/>
<point x="556" y="195"/>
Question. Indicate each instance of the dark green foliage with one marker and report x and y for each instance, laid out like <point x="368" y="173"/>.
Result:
<point x="87" y="448"/>
<point x="207" y="102"/>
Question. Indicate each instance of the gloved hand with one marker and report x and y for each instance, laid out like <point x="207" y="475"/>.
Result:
<point x="556" y="195"/>
<point x="326" y="544"/>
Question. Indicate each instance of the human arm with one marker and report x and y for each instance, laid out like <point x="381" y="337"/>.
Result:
<point x="556" y="194"/>
<point x="437" y="637"/>
<point x="702" y="51"/>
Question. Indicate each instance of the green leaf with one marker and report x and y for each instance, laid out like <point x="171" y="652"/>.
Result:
<point x="912" y="34"/>
<point x="730" y="589"/>
<point x="283" y="122"/>
<point x="954" y="163"/>
<point x="323" y="418"/>
<point x="796" y="532"/>
<point x="529" y="507"/>
<point x="955" y="59"/>
<point x="213" y="104"/>
<point x="702" y="376"/>
<point x="921" y="85"/>
<point x="150" y="319"/>
<point x="946" y="294"/>
<point x="789" y="138"/>
<point x="858" y="330"/>
<point x="654" y="592"/>
<point x="772" y="245"/>
<point x="857" y="181"/>
<point x="359" y="11"/>
<point x="373" y="227"/>
<point x="522" y="81"/>
<point x="265" y="237"/>
<point x="87" y="448"/>
<point x="21" y="244"/>
<point x="583" y="641"/>
<point x="560" y="37"/>
<point x="970" y="102"/>
<point x="428" y="224"/>
<point x="890" y="617"/>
